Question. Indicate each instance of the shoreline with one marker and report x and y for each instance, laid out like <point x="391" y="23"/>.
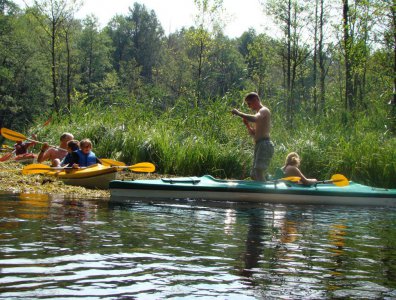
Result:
<point x="12" y="181"/>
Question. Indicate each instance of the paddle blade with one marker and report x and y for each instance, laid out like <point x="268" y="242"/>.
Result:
<point x="111" y="162"/>
<point x="12" y="135"/>
<point x="291" y="178"/>
<point x="36" y="169"/>
<point x="144" y="167"/>
<point x="339" y="180"/>
<point x="6" y="157"/>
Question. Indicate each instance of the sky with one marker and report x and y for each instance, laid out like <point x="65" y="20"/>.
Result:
<point x="174" y="14"/>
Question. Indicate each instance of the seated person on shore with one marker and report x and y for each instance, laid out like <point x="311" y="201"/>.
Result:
<point x="72" y="157"/>
<point x="86" y="157"/>
<point x="55" y="155"/>
<point x="291" y="168"/>
<point x="22" y="147"/>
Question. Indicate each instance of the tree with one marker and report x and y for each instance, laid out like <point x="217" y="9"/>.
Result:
<point x="69" y="31"/>
<point x="137" y="41"/>
<point x="94" y="56"/>
<point x="261" y="56"/>
<point x="23" y="80"/>
<point x="319" y="69"/>
<point x="385" y="35"/>
<point x="147" y="34"/>
<point x="177" y="69"/>
<point x="208" y="22"/>
<point x="52" y="15"/>
<point x="225" y="70"/>
<point x="291" y="17"/>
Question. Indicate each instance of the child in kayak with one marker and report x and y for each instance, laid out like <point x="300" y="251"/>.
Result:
<point x="291" y="168"/>
<point x="72" y="157"/>
<point x="86" y="157"/>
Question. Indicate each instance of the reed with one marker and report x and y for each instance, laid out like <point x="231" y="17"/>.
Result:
<point x="187" y="140"/>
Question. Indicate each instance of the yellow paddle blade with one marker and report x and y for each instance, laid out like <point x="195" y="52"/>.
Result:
<point x="36" y="169"/>
<point x="291" y="178"/>
<point x="144" y="167"/>
<point x="339" y="180"/>
<point x="12" y="135"/>
<point x="111" y="162"/>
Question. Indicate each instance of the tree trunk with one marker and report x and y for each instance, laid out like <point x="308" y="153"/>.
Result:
<point x="53" y="68"/>
<point x="393" y="100"/>
<point x="288" y="62"/>
<point x="321" y="59"/>
<point x="315" y="58"/>
<point x="68" y="75"/>
<point x="349" y="105"/>
<point x="393" y="11"/>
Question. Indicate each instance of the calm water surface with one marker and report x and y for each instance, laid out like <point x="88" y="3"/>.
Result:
<point x="63" y="248"/>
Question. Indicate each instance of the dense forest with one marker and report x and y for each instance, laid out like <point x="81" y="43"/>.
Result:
<point x="328" y="77"/>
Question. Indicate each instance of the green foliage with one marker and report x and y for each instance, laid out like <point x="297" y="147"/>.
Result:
<point x="185" y="140"/>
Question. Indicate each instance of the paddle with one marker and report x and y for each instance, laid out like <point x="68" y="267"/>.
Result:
<point x="6" y="156"/>
<point x="13" y="135"/>
<point x="143" y="167"/>
<point x="291" y="178"/>
<point x="111" y="162"/>
<point x="37" y="169"/>
<point x="337" y="179"/>
<point x="16" y="136"/>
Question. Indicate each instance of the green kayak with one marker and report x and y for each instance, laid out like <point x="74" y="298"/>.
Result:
<point x="278" y="191"/>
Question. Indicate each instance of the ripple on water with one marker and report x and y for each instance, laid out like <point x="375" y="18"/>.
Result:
<point x="94" y="249"/>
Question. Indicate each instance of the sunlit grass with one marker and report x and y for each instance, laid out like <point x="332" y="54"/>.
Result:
<point x="188" y="141"/>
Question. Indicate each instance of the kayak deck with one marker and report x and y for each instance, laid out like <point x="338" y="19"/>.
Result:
<point x="209" y="188"/>
<point x="96" y="176"/>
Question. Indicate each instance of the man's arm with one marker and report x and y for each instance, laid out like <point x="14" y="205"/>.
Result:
<point x="44" y="153"/>
<point x="251" y="130"/>
<point x="250" y="118"/>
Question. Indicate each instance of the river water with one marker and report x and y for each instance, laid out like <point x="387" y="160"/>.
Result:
<point x="55" y="247"/>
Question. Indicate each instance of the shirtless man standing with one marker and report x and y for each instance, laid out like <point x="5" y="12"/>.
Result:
<point x="264" y="148"/>
<point x="55" y="154"/>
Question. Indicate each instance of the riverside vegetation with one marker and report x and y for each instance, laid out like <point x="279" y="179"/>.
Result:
<point x="191" y="141"/>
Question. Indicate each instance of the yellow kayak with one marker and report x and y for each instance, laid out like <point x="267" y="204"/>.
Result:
<point x="96" y="176"/>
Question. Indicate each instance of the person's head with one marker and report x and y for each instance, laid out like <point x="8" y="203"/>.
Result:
<point x="73" y="145"/>
<point x="86" y="146"/>
<point x="292" y="159"/>
<point x="65" y="137"/>
<point x="253" y="100"/>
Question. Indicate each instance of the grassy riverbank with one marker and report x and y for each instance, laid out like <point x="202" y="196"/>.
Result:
<point x="12" y="181"/>
<point x="185" y="140"/>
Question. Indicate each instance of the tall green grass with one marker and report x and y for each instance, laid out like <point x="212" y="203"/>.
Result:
<point x="185" y="140"/>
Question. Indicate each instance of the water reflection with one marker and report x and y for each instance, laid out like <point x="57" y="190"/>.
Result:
<point x="254" y="242"/>
<point x="60" y="247"/>
<point x="33" y="206"/>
